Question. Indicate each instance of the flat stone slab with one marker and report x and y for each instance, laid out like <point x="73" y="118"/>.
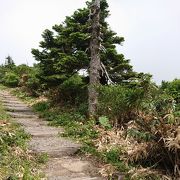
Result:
<point x="70" y="168"/>
<point x="70" y="178"/>
<point x="7" y="96"/>
<point x="22" y="115"/>
<point x="43" y="131"/>
<point x="30" y="122"/>
<point x="18" y="109"/>
<point x="11" y="101"/>
<point x="53" y="146"/>
<point x="11" y="105"/>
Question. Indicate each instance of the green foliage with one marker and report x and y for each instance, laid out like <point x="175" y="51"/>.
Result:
<point x="7" y="67"/>
<point x="9" y="63"/>
<point x="113" y="156"/>
<point x="163" y="103"/>
<point x="122" y="103"/>
<point x="42" y="158"/>
<point x="73" y="90"/>
<point x="65" y="49"/>
<point x="21" y="76"/>
<point x="104" y="121"/>
<point x="173" y="88"/>
<point x="2" y="73"/>
<point x="22" y="95"/>
<point x="30" y="81"/>
<point x="41" y="106"/>
<point x="139" y="135"/>
<point x="2" y="87"/>
<point x="33" y="85"/>
<point x="84" y="132"/>
<point x="119" y="102"/>
<point x="22" y="69"/>
<point x="11" y="79"/>
<point x="13" y="138"/>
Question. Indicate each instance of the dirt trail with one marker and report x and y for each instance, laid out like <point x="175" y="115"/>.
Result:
<point x="62" y="164"/>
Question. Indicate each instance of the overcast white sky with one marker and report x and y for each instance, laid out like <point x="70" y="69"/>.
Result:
<point x="151" y="30"/>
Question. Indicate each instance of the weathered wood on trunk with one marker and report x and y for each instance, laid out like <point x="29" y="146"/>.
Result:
<point x="95" y="66"/>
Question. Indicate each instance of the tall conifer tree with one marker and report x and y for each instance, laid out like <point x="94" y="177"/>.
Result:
<point x="65" y="50"/>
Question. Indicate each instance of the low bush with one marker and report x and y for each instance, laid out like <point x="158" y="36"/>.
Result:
<point x="72" y="91"/>
<point x="33" y="86"/>
<point x="172" y="88"/>
<point x="120" y="103"/>
<point x="11" y="79"/>
<point x="41" y="106"/>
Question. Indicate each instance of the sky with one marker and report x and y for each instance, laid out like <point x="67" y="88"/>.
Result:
<point x="151" y="30"/>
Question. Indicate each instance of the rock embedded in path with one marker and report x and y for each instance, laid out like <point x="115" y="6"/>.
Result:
<point x="22" y="114"/>
<point x="53" y="146"/>
<point x="43" y="131"/>
<point x="70" y="168"/>
<point x="30" y="122"/>
<point x="11" y="105"/>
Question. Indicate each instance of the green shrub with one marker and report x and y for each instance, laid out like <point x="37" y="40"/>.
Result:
<point x="173" y="89"/>
<point x="33" y="85"/>
<point x="119" y="103"/>
<point x="104" y="121"/>
<point x="72" y="91"/>
<point x="113" y="157"/>
<point x="41" y="106"/>
<point x="42" y="158"/>
<point x="139" y="135"/>
<point x="22" y="69"/>
<point x="11" y="79"/>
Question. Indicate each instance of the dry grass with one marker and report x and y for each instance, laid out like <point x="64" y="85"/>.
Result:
<point x="152" y="153"/>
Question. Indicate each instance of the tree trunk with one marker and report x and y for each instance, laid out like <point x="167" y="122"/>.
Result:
<point x="94" y="70"/>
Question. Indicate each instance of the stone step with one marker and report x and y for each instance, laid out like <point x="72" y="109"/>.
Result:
<point x="10" y="105"/>
<point x="11" y="101"/>
<point x="8" y="99"/>
<point x="53" y="146"/>
<point x="75" y="178"/>
<point x="30" y="122"/>
<point x="43" y="131"/>
<point x="2" y="95"/>
<point x="18" y="109"/>
<point x="72" y="168"/>
<point x="22" y="115"/>
<point x="86" y="178"/>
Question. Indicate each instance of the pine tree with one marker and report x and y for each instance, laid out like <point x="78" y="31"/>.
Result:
<point x="9" y="63"/>
<point x="65" y="49"/>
